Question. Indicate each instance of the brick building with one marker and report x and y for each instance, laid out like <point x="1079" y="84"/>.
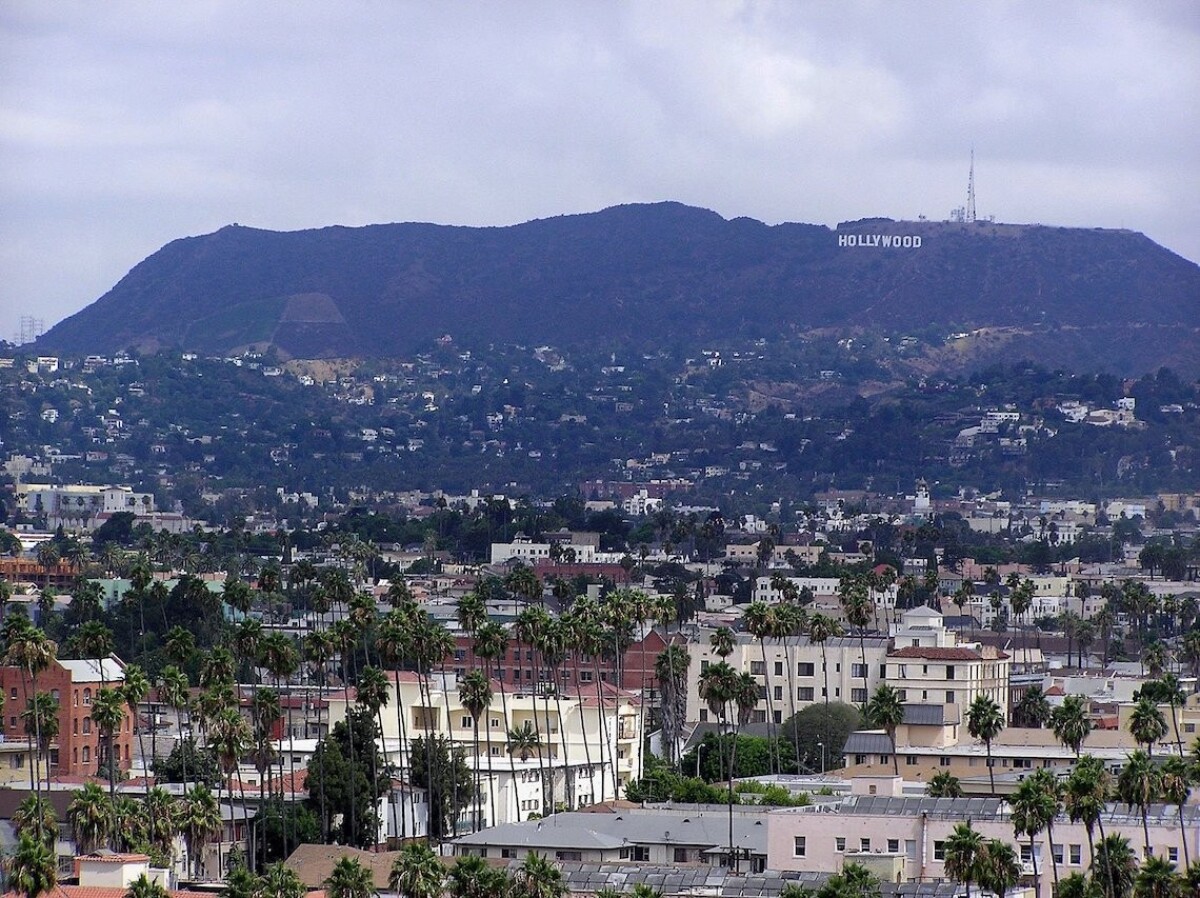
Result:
<point x="78" y="748"/>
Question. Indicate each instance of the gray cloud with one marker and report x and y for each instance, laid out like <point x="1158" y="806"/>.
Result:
<point x="125" y="125"/>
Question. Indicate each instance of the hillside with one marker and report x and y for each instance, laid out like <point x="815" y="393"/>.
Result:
<point x="652" y="276"/>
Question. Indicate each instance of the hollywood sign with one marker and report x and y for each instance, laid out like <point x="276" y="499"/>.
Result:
<point x="896" y="241"/>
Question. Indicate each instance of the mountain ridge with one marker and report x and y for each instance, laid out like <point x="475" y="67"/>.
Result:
<point x="644" y="275"/>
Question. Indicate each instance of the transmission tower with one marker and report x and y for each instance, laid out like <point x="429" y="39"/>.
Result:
<point x="970" y="211"/>
<point x="31" y="329"/>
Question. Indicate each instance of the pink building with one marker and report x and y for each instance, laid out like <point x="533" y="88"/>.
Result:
<point x="914" y="830"/>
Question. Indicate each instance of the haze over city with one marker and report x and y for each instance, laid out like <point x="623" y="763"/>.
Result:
<point x="127" y="125"/>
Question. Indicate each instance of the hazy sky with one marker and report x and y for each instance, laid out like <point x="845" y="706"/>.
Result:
<point x="126" y="125"/>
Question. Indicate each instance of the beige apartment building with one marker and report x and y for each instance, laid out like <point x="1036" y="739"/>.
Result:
<point x="793" y="675"/>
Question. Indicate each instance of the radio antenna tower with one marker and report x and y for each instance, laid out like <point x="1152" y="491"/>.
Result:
<point x="970" y="213"/>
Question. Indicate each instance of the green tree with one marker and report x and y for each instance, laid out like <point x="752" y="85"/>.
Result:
<point x="1085" y="796"/>
<point x="441" y="768"/>
<point x="350" y="879"/>
<point x="475" y="693"/>
<point x="1147" y="724"/>
<point x="108" y="713"/>
<point x="33" y="868"/>
<point x="473" y="877"/>
<point x="829" y="725"/>
<point x="345" y="780"/>
<point x="884" y="711"/>
<point x="944" y="784"/>
<point x="1035" y="804"/>
<point x="280" y="881"/>
<point x="1138" y="785"/>
<point x="1157" y="879"/>
<point x="985" y="720"/>
<point x="1115" y="866"/>
<point x="145" y="887"/>
<point x="963" y="852"/>
<point x="1071" y="723"/>
<point x="417" y="872"/>
<point x="999" y="870"/>
<point x="538" y="877"/>
<point x="90" y="817"/>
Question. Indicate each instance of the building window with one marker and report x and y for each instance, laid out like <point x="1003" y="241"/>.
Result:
<point x="87" y="725"/>
<point x="804" y="669"/>
<point x="804" y="693"/>
<point x="949" y="671"/>
<point x="864" y="844"/>
<point x="704" y="715"/>
<point x="1057" y="851"/>
<point x="939" y="851"/>
<point x="858" y="671"/>
<point x="569" y="855"/>
<point x="507" y="852"/>
<point x="703" y="666"/>
<point x="640" y="854"/>
<point x="798" y="846"/>
<point x="779" y="668"/>
<point x="1076" y="854"/>
<point x="757" y="668"/>
<point x="87" y="754"/>
<point x="949" y="696"/>
<point x="910" y="849"/>
<point x="893" y="846"/>
<point x="87" y="696"/>
<point x="466" y="721"/>
<point x="858" y="695"/>
<point x="1173" y="854"/>
<point x="681" y="855"/>
<point x="860" y="759"/>
<point x="903" y="696"/>
<point x="778" y="693"/>
<point x="839" y="843"/>
<point x="910" y="760"/>
<point x="585" y="676"/>
<point x="943" y="761"/>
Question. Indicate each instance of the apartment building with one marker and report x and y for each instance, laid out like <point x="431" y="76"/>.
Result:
<point x="793" y="675"/>
<point x="590" y="743"/>
<point x="929" y="666"/>
<point x="914" y="831"/>
<point x="79" y="746"/>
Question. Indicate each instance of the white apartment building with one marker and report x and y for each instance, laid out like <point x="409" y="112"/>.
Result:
<point x="589" y="750"/>
<point x="824" y="590"/>
<point x="793" y="663"/>
<point x="81" y="501"/>
<point x="524" y="549"/>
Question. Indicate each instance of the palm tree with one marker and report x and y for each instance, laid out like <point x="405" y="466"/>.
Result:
<point x="1147" y="724"/>
<point x="230" y="739"/>
<point x="671" y="668"/>
<point x="1175" y="785"/>
<point x="491" y="645"/>
<point x="885" y="711"/>
<point x="161" y="811"/>
<point x="475" y="693"/>
<point x="472" y="877"/>
<point x="200" y="822"/>
<point x="35" y="817"/>
<point x="1033" y="710"/>
<point x="1085" y="796"/>
<point x="145" y="887"/>
<point x="1076" y="885"/>
<point x="1138" y="785"/>
<point x="538" y="877"/>
<point x="744" y="698"/>
<point x="999" y="869"/>
<point x="820" y="629"/>
<point x="108" y="713"/>
<point x="280" y="881"/>
<point x="944" y="784"/>
<point x="1166" y="690"/>
<point x="350" y="879"/>
<point x="721" y="640"/>
<point x="1071" y="723"/>
<point x="1115" y="865"/>
<point x="858" y="608"/>
<point x="30" y="650"/>
<point x="716" y="690"/>
<point x="41" y="725"/>
<point x="417" y="872"/>
<point x="90" y="816"/>
<point x="523" y="741"/>
<point x="1157" y="879"/>
<point x="985" y="720"/>
<point x="1035" y="804"/>
<point x="174" y="690"/>
<point x="761" y="621"/>
<point x="963" y="851"/>
<point x="33" y="868"/>
<point x="374" y="690"/>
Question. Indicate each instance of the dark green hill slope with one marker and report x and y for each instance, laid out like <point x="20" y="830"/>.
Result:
<point x="647" y="276"/>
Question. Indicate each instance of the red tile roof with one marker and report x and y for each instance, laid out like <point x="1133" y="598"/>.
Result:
<point x="932" y="653"/>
